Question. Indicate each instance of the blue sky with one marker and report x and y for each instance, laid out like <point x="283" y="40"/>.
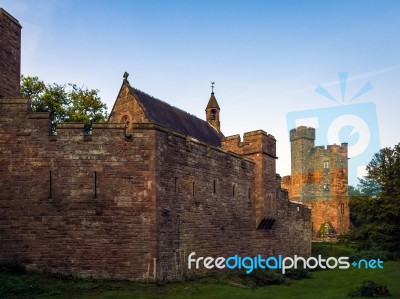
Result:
<point x="266" y="57"/>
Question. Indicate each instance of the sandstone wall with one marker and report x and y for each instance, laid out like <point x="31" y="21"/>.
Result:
<point x="134" y="206"/>
<point x="10" y="55"/>
<point x="75" y="224"/>
<point x="216" y="220"/>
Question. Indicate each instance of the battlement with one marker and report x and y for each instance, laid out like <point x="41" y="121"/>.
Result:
<point x="16" y="115"/>
<point x="17" y="103"/>
<point x="334" y="148"/>
<point x="302" y="132"/>
<point x="253" y="142"/>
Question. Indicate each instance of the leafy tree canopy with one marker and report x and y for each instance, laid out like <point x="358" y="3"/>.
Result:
<point x="375" y="209"/>
<point x="65" y="102"/>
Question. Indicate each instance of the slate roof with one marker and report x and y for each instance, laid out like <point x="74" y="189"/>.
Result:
<point x="176" y="119"/>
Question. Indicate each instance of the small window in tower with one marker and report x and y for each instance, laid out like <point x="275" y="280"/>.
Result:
<point x="176" y="184"/>
<point x="213" y="115"/>
<point x="214" y="187"/>
<point x="342" y="208"/>
<point x="193" y="189"/>
<point x="249" y="193"/>
<point x="233" y="190"/>
<point x="326" y="164"/>
<point x="341" y="162"/>
<point x="326" y="187"/>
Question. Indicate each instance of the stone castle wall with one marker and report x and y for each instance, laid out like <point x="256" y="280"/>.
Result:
<point x="218" y="217"/>
<point x="10" y="55"/>
<point x="260" y="147"/>
<point x="117" y="206"/>
<point x="71" y="223"/>
<point x="132" y="199"/>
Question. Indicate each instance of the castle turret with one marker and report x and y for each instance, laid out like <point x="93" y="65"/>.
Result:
<point x="212" y="111"/>
<point x="10" y="55"/>
<point x="302" y="140"/>
<point x="319" y="180"/>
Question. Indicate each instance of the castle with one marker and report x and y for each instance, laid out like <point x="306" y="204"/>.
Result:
<point x="141" y="192"/>
<point x="319" y="180"/>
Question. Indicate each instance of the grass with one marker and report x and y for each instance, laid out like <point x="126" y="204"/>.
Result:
<point x="323" y="284"/>
<point x="331" y="249"/>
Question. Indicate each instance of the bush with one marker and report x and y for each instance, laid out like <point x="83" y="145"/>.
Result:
<point x="370" y="254"/>
<point x="12" y="267"/>
<point x="262" y="277"/>
<point x="370" y="288"/>
<point x="298" y="274"/>
<point x="19" y="287"/>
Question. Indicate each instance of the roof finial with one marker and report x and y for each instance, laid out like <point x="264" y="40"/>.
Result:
<point x="212" y="87"/>
<point x="126" y="75"/>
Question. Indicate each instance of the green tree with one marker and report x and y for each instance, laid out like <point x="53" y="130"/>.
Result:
<point x="377" y="215"/>
<point x="64" y="102"/>
<point x="369" y="187"/>
<point x="385" y="169"/>
<point x="353" y="191"/>
<point x="85" y="105"/>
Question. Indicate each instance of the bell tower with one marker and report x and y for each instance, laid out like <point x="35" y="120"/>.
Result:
<point x="212" y="111"/>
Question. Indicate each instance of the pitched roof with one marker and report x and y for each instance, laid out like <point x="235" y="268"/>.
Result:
<point x="212" y="103"/>
<point x="176" y="119"/>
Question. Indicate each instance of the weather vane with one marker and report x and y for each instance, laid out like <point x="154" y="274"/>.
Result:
<point x="212" y="87"/>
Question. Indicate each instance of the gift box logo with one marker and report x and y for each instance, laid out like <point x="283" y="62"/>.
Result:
<point x="355" y="124"/>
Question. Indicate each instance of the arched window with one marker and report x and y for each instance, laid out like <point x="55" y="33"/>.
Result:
<point x="213" y="115"/>
<point x="125" y="120"/>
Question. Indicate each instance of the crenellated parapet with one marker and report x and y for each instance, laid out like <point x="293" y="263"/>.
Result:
<point x="15" y="113"/>
<point x="341" y="149"/>
<point x="253" y="142"/>
<point x="302" y="132"/>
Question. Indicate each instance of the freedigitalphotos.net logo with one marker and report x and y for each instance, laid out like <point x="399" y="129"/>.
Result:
<point x="279" y="262"/>
<point x="355" y="124"/>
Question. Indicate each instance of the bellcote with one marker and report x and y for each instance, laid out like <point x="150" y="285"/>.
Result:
<point x="212" y="111"/>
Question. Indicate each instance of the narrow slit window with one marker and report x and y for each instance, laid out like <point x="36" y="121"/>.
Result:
<point x="214" y="187"/>
<point x="342" y="208"/>
<point x="95" y="185"/>
<point x="233" y="190"/>
<point x="193" y="189"/>
<point x="50" y="186"/>
<point x="176" y="185"/>
<point x="249" y="193"/>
